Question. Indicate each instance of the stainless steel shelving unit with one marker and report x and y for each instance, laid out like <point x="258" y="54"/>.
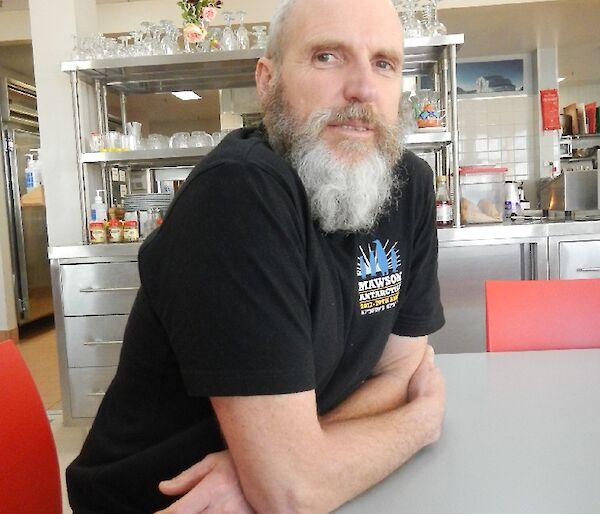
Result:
<point x="434" y="56"/>
<point x="162" y="157"/>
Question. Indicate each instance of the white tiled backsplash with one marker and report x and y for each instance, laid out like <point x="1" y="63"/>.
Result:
<point x="499" y="131"/>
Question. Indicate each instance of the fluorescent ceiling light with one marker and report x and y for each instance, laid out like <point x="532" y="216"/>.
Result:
<point x="186" y="95"/>
<point x="560" y="79"/>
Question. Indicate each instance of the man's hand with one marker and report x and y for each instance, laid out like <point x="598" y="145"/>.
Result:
<point x="211" y="487"/>
<point x="427" y="386"/>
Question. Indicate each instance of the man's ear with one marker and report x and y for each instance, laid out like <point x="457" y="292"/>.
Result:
<point x="264" y="75"/>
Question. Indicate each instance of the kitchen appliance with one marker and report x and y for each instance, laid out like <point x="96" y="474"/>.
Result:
<point x="26" y="211"/>
<point x="571" y="191"/>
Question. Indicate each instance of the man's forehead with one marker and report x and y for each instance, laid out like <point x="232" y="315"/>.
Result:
<point x="375" y="29"/>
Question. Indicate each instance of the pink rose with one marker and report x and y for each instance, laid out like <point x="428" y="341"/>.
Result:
<point x="194" y="34"/>
<point x="209" y="13"/>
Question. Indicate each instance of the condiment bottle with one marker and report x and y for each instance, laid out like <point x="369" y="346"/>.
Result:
<point x="115" y="231"/>
<point x="97" y="232"/>
<point x="131" y="233"/>
<point x="443" y="204"/>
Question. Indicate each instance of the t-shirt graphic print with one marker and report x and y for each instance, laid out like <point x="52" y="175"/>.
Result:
<point x="379" y="277"/>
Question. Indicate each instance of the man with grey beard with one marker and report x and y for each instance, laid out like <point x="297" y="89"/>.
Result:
<point x="276" y="357"/>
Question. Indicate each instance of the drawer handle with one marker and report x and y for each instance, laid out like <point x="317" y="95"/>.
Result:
<point x="101" y="343"/>
<point x="99" y="393"/>
<point x="593" y="269"/>
<point x="108" y="289"/>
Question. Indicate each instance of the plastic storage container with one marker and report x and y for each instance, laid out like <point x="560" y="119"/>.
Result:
<point x="482" y="194"/>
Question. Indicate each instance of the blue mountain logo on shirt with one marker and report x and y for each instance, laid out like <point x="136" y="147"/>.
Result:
<point x="380" y="277"/>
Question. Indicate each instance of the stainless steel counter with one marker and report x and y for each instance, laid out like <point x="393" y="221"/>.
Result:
<point x="512" y="230"/>
<point x="96" y="253"/>
<point x="447" y="237"/>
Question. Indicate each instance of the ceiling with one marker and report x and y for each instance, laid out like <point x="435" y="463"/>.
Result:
<point x="571" y="26"/>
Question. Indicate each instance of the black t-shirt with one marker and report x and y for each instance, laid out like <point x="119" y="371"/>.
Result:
<point x="242" y="294"/>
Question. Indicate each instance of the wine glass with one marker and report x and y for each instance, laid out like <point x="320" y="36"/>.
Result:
<point x="242" y="32"/>
<point x="433" y="26"/>
<point x="169" y="44"/>
<point x="124" y="49"/>
<point x="229" y="40"/>
<point x="412" y="25"/>
<point x="214" y="40"/>
<point x="135" y="47"/>
<point x="260" y="36"/>
<point x="146" y="39"/>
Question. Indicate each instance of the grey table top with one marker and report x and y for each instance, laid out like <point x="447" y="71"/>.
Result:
<point x="521" y="436"/>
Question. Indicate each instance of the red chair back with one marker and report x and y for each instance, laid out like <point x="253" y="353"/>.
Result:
<point x="542" y="314"/>
<point x="29" y="472"/>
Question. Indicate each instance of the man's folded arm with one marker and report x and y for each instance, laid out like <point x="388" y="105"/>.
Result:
<point x="290" y="462"/>
<point x="387" y="387"/>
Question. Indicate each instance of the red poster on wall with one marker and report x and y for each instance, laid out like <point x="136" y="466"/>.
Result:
<point x="550" y="108"/>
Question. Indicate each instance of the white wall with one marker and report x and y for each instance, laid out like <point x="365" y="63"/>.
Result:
<point x="55" y="109"/>
<point x="579" y="93"/>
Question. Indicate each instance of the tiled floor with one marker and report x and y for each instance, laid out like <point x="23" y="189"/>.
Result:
<point x="37" y="343"/>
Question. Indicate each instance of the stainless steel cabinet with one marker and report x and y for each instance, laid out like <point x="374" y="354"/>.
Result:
<point x="463" y="269"/>
<point x="93" y="294"/>
<point x="99" y="288"/>
<point x="575" y="256"/>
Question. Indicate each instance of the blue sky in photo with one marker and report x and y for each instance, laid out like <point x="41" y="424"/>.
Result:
<point x="469" y="72"/>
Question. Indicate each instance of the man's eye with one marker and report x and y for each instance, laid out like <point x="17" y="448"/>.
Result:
<point x="324" y="57"/>
<point x="384" y="65"/>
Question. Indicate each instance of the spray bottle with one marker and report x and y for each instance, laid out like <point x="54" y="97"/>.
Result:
<point x="99" y="207"/>
<point x="29" y="173"/>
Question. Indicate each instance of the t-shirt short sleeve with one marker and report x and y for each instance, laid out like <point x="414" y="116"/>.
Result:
<point x="227" y="275"/>
<point x="421" y="312"/>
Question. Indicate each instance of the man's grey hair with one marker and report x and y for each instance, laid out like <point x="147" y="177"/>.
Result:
<point x="276" y="30"/>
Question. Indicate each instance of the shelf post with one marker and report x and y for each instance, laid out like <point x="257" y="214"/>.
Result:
<point x="79" y="151"/>
<point x="123" y="104"/>
<point x="454" y="130"/>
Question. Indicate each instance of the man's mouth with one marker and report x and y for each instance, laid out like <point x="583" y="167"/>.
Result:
<point x="354" y="126"/>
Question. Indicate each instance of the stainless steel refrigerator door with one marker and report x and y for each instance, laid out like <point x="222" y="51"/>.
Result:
<point x="29" y="237"/>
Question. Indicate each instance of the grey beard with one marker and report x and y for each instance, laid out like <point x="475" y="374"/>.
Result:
<point x="347" y="195"/>
<point x="344" y="197"/>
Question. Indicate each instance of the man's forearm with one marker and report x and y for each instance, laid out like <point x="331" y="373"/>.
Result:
<point x="324" y="470"/>
<point x="385" y="390"/>
<point x="318" y="466"/>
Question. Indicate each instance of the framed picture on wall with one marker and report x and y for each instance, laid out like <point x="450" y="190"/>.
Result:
<point x="494" y="76"/>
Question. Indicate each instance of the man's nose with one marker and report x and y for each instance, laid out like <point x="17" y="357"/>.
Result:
<point x="360" y="83"/>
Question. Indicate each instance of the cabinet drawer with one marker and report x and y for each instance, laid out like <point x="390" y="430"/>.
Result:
<point x="100" y="288"/>
<point x="88" y="386"/>
<point x="579" y="259"/>
<point x="94" y="340"/>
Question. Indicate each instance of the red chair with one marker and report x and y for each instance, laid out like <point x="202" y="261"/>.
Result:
<point x="29" y="472"/>
<point x="542" y="314"/>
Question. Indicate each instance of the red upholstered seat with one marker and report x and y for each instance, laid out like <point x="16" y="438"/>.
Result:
<point x="542" y="314"/>
<point x="29" y="472"/>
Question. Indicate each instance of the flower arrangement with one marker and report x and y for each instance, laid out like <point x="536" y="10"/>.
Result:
<point x="196" y="13"/>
